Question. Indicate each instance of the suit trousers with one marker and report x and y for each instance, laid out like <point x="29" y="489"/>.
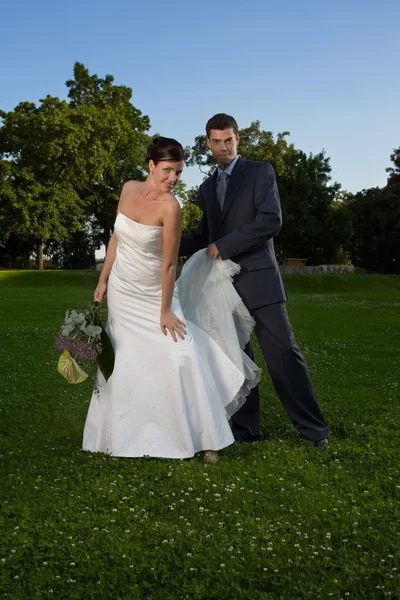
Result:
<point x="290" y="377"/>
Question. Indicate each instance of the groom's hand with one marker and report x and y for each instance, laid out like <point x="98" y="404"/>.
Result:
<point x="212" y="251"/>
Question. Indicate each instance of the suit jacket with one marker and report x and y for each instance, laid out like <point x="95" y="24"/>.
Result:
<point x="244" y="230"/>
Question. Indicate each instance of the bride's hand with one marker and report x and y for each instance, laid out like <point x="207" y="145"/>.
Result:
<point x="100" y="292"/>
<point x="170" y="322"/>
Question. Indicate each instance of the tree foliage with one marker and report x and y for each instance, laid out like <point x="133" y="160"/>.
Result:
<point x="394" y="171"/>
<point x="41" y="151"/>
<point x="375" y="241"/>
<point x="121" y="139"/>
<point x="62" y="162"/>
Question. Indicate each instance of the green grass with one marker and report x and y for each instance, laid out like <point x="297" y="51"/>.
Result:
<point x="272" y="520"/>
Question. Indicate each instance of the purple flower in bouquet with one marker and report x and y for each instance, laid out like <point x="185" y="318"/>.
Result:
<point x="79" y="349"/>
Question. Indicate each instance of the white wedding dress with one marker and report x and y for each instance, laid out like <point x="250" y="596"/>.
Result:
<point x="167" y="399"/>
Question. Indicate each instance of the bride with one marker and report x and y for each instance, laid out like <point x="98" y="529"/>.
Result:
<point x="179" y="372"/>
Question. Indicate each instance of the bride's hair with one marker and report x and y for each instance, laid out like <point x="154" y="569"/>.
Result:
<point x="163" y="148"/>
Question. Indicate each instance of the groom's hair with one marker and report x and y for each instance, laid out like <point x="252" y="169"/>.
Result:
<point x="221" y="121"/>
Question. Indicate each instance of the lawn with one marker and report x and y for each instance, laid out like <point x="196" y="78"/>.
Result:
<point x="271" y="520"/>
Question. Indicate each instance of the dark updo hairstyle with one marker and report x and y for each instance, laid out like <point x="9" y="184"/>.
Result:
<point x="162" y="149"/>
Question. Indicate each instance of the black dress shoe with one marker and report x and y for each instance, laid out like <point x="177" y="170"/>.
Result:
<point x="324" y="443"/>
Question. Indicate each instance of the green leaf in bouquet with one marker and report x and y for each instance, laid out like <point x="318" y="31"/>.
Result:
<point x="69" y="368"/>
<point x="106" y="358"/>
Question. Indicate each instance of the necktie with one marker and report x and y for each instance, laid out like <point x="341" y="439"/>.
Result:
<point x="223" y="178"/>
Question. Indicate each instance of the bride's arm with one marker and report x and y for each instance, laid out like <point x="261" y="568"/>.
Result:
<point x="171" y="239"/>
<point x="101" y="289"/>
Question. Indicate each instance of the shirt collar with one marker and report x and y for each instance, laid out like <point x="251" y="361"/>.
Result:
<point x="229" y="168"/>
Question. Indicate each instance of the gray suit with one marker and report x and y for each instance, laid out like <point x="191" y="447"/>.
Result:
<point x="243" y="232"/>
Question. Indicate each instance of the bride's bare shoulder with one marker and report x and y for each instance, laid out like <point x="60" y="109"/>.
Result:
<point x="171" y="204"/>
<point x="131" y="186"/>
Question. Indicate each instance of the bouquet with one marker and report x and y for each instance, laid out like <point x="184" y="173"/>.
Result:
<point x="83" y="338"/>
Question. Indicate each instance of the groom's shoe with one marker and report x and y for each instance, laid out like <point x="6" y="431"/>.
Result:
<point x="324" y="443"/>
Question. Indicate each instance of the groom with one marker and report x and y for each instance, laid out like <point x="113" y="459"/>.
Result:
<point x="242" y="214"/>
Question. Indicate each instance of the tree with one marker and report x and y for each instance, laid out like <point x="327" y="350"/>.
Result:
<point x="15" y="253"/>
<point x="79" y="251"/>
<point x="40" y="148"/>
<point x="316" y="223"/>
<point x="394" y="172"/>
<point x="376" y="237"/>
<point x="63" y="162"/>
<point x="191" y="216"/>
<point x="375" y="243"/>
<point x="120" y="133"/>
<point x="191" y="212"/>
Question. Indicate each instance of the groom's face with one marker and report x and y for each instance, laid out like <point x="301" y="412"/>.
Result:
<point x="223" y="145"/>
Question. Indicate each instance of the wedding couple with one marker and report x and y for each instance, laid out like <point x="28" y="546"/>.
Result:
<point x="183" y="361"/>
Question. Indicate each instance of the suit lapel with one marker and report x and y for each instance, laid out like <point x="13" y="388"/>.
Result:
<point x="234" y="184"/>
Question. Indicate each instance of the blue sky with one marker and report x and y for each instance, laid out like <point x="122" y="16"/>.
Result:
<point x="328" y="72"/>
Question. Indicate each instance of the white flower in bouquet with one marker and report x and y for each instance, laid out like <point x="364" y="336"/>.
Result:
<point x="74" y="318"/>
<point x="92" y="331"/>
<point x="66" y="330"/>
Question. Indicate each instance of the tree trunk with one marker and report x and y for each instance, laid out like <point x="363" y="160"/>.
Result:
<point x="39" y="256"/>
